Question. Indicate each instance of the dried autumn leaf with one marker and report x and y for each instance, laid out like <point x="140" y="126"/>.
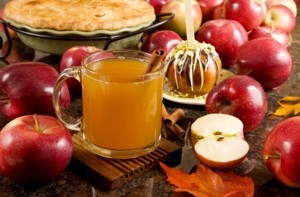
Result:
<point x="288" y="105"/>
<point x="206" y="182"/>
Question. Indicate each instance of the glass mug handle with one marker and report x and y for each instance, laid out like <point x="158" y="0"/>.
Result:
<point x="61" y="113"/>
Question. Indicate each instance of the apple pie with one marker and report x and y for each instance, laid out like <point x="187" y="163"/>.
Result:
<point x="80" y="15"/>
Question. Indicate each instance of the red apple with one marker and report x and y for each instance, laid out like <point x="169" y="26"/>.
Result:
<point x="73" y="57"/>
<point x="267" y="31"/>
<point x="266" y="60"/>
<point x="291" y="4"/>
<point x="280" y="17"/>
<point x="226" y="36"/>
<point x="208" y="7"/>
<point x="250" y="13"/>
<point x="19" y="52"/>
<point x="177" y="24"/>
<point x="219" y="12"/>
<point x="216" y="144"/>
<point x="163" y="39"/>
<point x="27" y="88"/>
<point x="281" y="150"/>
<point x="34" y="148"/>
<point x="240" y="96"/>
<point x="157" y="4"/>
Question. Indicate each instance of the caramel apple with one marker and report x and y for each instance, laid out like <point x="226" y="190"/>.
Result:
<point x="193" y="69"/>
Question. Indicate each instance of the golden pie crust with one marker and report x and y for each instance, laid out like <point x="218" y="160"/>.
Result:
<point x="80" y="15"/>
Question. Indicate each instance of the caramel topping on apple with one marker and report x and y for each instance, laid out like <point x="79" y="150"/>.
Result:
<point x="193" y="69"/>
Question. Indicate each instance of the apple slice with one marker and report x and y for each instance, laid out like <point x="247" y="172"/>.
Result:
<point x="218" y="140"/>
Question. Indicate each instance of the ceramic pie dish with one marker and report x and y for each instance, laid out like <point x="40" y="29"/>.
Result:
<point x="47" y="26"/>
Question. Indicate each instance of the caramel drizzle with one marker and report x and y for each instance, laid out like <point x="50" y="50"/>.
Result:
<point x="180" y="54"/>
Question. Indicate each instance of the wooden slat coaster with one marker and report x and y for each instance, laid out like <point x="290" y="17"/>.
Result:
<point x="111" y="173"/>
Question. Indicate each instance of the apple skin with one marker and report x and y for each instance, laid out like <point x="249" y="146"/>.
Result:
<point x="72" y="57"/>
<point x="219" y="165"/>
<point x="280" y="17"/>
<point x="291" y="4"/>
<point x="240" y="96"/>
<point x="163" y="39"/>
<point x="270" y="65"/>
<point x="267" y="31"/>
<point x="226" y="36"/>
<point x="31" y="153"/>
<point x="208" y="7"/>
<point x="177" y="24"/>
<point x="28" y="87"/>
<point x="281" y="150"/>
<point x="157" y="4"/>
<point x="250" y="13"/>
<point x="219" y="12"/>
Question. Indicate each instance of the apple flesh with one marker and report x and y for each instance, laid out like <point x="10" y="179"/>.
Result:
<point x="27" y="88"/>
<point x="163" y="39"/>
<point x="281" y="150"/>
<point x="240" y="96"/>
<point x="226" y="36"/>
<point x="34" y="149"/>
<point x="177" y="24"/>
<point x="280" y="17"/>
<point x="72" y="57"/>
<point x="270" y="65"/>
<point x="216" y="144"/>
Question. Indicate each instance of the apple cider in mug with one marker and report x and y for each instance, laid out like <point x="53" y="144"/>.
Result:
<point x="121" y="109"/>
<point x="121" y="104"/>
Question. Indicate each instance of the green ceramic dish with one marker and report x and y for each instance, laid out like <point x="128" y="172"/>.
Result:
<point x="56" y="42"/>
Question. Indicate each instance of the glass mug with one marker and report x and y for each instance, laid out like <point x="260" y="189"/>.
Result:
<point x="121" y="107"/>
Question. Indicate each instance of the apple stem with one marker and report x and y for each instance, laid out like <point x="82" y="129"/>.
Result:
<point x="267" y="157"/>
<point x="36" y="122"/>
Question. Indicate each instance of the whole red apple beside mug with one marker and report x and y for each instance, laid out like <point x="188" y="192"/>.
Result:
<point x="163" y="39"/>
<point x="71" y="58"/>
<point x="34" y="149"/>
<point x="281" y="152"/>
<point x="240" y="96"/>
<point x="27" y="88"/>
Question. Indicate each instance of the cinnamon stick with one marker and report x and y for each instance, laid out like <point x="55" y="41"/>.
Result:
<point x="156" y="58"/>
<point x="174" y="117"/>
<point x="171" y="120"/>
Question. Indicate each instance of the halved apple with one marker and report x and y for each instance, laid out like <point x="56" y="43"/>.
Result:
<point x="218" y="140"/>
